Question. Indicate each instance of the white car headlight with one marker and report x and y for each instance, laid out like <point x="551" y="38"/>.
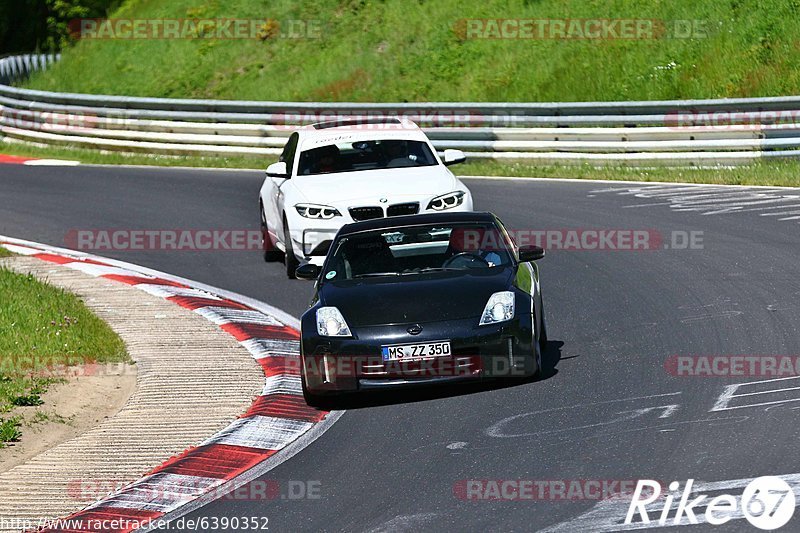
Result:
<point x="447" y="201"/>
<point x="330" y="323"/>
<point x="499" y="308"/>
<point x="317" y="211"/>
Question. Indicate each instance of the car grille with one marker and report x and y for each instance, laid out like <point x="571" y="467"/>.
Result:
<point x="366" y="213"/>
<point x="403" y="209"/>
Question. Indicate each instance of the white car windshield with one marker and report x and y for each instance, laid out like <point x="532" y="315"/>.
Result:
<point x="365" y="155"/>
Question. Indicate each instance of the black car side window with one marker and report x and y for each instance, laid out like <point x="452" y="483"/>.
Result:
<point x="287" y="156"/>
<point x="507" y="234"/>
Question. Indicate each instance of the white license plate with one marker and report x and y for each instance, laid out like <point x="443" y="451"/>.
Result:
<point x="408" y="352"/>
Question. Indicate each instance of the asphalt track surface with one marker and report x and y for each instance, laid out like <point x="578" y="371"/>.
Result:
<point x="606" y="409"/>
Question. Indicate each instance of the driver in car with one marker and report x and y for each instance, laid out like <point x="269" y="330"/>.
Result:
<point x="476" y="243"/>
<point x="397" y="154"/>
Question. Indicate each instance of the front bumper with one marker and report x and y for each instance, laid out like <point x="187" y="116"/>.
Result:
<point x="333" y="364"/>
<point x="312" y="237"/>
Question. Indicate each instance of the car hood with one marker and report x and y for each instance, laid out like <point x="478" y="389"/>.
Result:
<point x="408" y="299"/>
<point x="366" y="187"/>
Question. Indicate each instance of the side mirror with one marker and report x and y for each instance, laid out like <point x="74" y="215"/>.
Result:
<point x="278" y="170"/>
<point x="531" y="253"/>
<point x="307" y="271"/>
<point x="453" y="157"/>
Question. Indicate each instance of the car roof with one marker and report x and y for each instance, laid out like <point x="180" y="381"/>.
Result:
<point x="358" y="129"/>
<point x="412" y="220"/>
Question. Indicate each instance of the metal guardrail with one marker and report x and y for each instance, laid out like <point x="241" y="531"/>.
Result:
<point x="701" y="132"/>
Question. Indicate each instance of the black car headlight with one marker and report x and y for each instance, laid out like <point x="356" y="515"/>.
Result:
<point x="325" y="212"/>
<point x="499" y="308"/>
<point x="447" y="201"/>
<point x="331" y="323"/>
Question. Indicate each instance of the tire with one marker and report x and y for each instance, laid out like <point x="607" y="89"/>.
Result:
<point x="537" y="353"/>
<point x="271" y="254"/>
<point x="290" y="260"/>
<point x="541" y="346"/>
<point x="542" y="330"/>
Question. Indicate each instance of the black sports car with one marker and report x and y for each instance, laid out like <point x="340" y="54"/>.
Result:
<point x="421" y="299"/>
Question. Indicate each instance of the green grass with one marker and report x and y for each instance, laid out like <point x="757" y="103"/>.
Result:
<point x="4" y="252"/>
<point x="418" y="50"/>
<point x="784" y="173"/>
<point x="97" y="157"/>
<point x="42" y="330"/>
<point x="780" y="173"/>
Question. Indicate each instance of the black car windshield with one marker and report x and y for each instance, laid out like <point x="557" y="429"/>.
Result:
<point x="365" y="155"/>
<point x="416" y="250"/>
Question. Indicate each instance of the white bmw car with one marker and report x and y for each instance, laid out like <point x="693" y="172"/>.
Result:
<point x="335" y="173"/>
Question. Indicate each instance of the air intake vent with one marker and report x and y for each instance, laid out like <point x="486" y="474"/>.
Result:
<point x="410" y="208"/>
<point x="366" y="213"/>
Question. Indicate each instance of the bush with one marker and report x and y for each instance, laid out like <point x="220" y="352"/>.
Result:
<point x="43" y="25"/>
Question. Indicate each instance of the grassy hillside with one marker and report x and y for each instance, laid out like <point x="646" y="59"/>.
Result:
<point x="418" y="50"/>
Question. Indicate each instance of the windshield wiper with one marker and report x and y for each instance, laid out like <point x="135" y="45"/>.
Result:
<point x="376" y="274"/>
<point x="431" y="269"/>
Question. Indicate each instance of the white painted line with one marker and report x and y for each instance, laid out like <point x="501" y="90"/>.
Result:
<point x="729" y="394"/>
<point x="710" y="200"/>
<point x="51" y="163"/>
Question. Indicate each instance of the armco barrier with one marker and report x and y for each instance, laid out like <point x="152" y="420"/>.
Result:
<point x="686" y="132"/>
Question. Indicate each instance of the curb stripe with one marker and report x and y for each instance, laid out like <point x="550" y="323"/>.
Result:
<point x="161" y="492"/>
<point x="243" y="332"/>
<point x="280" y="364"/>
<point x="14" y="159"/>
<point x="262" y="432"/>
<point x="196" y="302"/>
<point x="215" y="460"/>
<point x="282" y="384"/>
<point x="284" y="405"/>
<point x="221" y="315"/>
<point x="276" y="419"/>
<point x="165" y="291"/>
<point x="138" y="280"/>
<point x="261" y="348"/>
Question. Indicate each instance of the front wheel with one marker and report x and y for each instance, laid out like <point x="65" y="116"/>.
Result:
<point x="290" y="260"/>
<point x="271" y="254"/>
<point x="542" y="329"/>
